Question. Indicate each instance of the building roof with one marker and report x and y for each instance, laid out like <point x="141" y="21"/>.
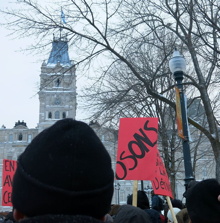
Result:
<point x="59" y="53"/>
<point x="20" y="124"/>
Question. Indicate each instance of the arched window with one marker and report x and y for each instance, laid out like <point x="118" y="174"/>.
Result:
<point x="20" y="137"/>
<point x="50" y="115"/>
<point x="10" y="138"/>
<point x="57" y="82"/>
<point x="64" y="114"/>
<point x="29" y="138"/>
<point x="57" y="115"/>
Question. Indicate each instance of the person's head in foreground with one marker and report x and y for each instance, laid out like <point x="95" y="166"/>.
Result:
<point x="131" y="214"/>
<point x="142" y="200"/>
<point x="202" y="202"/>
<point x="65" y="170"/>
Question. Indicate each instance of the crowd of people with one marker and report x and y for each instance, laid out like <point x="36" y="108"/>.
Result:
<point x="65" y="175"/>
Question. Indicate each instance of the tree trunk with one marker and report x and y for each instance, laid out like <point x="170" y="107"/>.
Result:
<point x="216" y="149"/>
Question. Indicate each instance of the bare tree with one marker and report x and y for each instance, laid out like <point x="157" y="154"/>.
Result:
<point x="114" y="30"/>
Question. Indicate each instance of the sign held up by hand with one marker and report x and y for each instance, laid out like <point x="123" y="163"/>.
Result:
<point x="138" y="157"/>
<point x="9" y="167"/>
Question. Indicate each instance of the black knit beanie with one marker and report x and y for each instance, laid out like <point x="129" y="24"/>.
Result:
<point x="142" y="200"/>
<point x="202" y="202"/>
<point x="64" y="170"/>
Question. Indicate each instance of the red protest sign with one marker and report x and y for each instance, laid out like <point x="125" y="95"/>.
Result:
<point x="9" y="167"/>
<point x="160" y="180"/>
<point x="138" y="157"/>
<point x="137" y="142"/>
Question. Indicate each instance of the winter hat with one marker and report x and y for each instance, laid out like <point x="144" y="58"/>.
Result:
<point x="64" y="170"/>
<point x="142" y="200"/>
<point x="202" y="202"/>
<point x="169" y="215"/>
<point x="191" y="184"/>
<point x="176" y="203"/>
<point x="131" y="214"/>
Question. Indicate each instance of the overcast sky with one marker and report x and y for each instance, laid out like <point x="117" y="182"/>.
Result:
<point x="19" y="80"/>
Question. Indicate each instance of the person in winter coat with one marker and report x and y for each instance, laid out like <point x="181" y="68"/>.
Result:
<point x="64" y="175"/>
<point x="156" y="202"/>
<point x="131" y="214"/>
<point x="143" y="203"/>
<point x="183" y="216"/>
<point x="203" y="203"/>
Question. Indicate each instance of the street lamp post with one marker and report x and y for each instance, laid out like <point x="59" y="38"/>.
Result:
<point x="148" y="191"/>
<point x="118" y="187"/>
<point x="177" y="66"/>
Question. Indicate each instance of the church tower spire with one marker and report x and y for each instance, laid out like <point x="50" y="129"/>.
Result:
<point x="59" y="53"/>
<point x="57" y="93"/>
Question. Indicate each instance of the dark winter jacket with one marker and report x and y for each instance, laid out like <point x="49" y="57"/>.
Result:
<point x="131" y="214"/>
<point x="154" y="215"/>
<point x="60" y="219"/>
<point x="157" y="203"/>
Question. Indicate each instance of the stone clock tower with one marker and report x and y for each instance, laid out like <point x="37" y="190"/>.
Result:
<point x="57" y="93"/>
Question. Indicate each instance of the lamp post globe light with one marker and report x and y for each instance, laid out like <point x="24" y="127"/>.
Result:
<point x="118" y="187"/>
<point x="177" y="65"/>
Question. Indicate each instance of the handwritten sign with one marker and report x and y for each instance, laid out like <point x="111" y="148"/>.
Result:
<point x="9" y="167"/>
<point x="160" y="180"/>
<point x="138" y="157"/>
